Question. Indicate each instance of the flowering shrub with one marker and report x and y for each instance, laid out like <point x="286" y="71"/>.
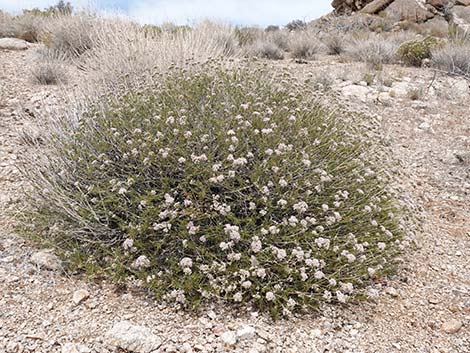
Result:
<point x="219" y="182"/>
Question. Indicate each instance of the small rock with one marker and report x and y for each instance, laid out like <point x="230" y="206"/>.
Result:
<point x="392" y="292"/>
<point x="79" y="296"/>
<point x="229" y="338"/>
<point x="356" y="91"/>
<point x="46" y="259"/>
<point x="128" y="336"/>
<point x="75" y="348"/>
<point x="12" y="347"/>
<point x="186" y="348"/>
<point x="218" y="330"/>
<point x="452" y="326"/>
<point x="425" y="126"/>
<point x="246" y="332"/>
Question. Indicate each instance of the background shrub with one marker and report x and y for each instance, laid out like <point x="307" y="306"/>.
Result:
<point x="453" y="58"/>
<point x="374" y="51"/>
<point x="266" y="50"/>
<point x="335" y="44"/>
<point x="304" y="46"/>
<point x="414" y="52"/>
<point x="215" y="181"/>
<point x="49" y="72"/>
<point x="296" y="25"/>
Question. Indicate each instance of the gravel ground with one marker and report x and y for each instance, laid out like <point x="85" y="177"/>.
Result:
<point x="425" y="308"/>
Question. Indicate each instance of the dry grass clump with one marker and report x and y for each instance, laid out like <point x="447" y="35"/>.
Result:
<point x="216" y="181"/>
<point x="335" y="44"/>
<point x="375" y="51"/>
<point x="28" y="27"/>
<point x="71" y="36"/>
<point x="5" y="24"/>
<point x="453" y="58"/>
<point x="266" y="50"/>
<point x="304" y="46"/>
<point x="128" y="55"/>
<point x="49" y="72"/>
<point x="281" y="38"/>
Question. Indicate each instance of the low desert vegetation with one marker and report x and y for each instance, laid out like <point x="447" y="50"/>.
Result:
<point x="415" y="51"/>
<point x="266" y="50"/>
<point x="219" y="182"/>
<point x="373" y="50"/>
<point x="453" y="58"/>
<point x="304" y="46"/>
<point x="49" y="72"/>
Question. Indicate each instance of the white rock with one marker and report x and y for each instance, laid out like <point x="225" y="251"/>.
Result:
<point x="460" y="88"/>
<point x="392" y="292"/>
<point x="229" y="338"/>
<point x="452" y="326"/>
<point x="128" y="336"/>
<point x="74" y="348"/>
<point x="13" y="44"/>
<point x="401" y="88"/>
<point x="246" y="332"/>
<point x="79" y="296"/>
<point x="356" y="91"/>
<point x="46" y="259"/>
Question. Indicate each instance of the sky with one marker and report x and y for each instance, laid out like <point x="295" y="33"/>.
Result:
<point x="238" y="12"/>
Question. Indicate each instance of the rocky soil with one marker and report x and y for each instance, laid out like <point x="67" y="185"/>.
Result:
<point x="425" y="308"/>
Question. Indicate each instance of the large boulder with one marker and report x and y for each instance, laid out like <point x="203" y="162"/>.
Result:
<point x="13" y="44"/>
<point x="349" y="6"/>
<point x="409" y="10"/>
<point x="376" y="6"/>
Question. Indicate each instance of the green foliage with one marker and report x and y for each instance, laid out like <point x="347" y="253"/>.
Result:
<point x="415" y="51"/>
<point x="219" y="183"/>
<point x="62" y="8"/>
<point x="272" y="28"/>
<point x="296" y="25"/>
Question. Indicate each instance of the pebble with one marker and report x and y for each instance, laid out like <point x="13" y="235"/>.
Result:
<point x="392" y="292"/>
<point x="229" y="338"/>
<point x="46" y="259"/>
<point x="79" y="296"/>
<point x="246" y="332"/>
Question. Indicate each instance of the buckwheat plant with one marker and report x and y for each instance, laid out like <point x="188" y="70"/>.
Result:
<point x="219" y="182"/>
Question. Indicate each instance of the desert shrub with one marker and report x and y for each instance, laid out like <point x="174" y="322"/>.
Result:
<point x="28" y="27"/>
<point x="72" y="36"/>
<point x="49" y="73"/>
<point x="266" y="50"/>
<point x="374" y="51"/>
<point x="247" y="35"/>
<point x="453" y="58"/>
<point x="414" y="52"/>
<point x="296" y="25"/>
<point x="5" y="24"/>
<point x="281" y="38"/>
<point x="216" y="182"/>
<point x="61" y="8"/>
<point x="335" y="44"/>
<point x="124" y="57"/>
<point x="304" y="46"/>
<point x="272" y="28"/>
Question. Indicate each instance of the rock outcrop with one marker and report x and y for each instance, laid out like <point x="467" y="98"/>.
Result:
<point x="456" y="12"/>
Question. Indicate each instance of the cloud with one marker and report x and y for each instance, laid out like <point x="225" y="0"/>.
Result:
<point x="261" y="12"/>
